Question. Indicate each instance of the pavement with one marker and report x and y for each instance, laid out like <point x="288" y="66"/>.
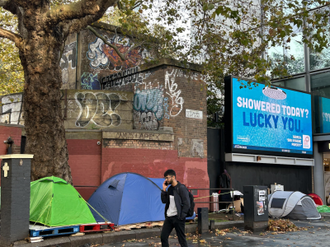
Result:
<point x="315" y="233"/>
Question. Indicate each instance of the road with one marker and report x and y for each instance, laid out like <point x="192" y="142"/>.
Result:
<point x="316" y="233"/>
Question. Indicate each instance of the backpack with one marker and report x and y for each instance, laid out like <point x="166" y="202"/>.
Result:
<point x="192" y="203"/>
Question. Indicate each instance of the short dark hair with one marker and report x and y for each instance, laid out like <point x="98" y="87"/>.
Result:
<point x="169" y="172"/>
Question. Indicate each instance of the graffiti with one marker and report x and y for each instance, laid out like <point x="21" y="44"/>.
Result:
<point x="11" y="112"/>
<point x="96" y="55"/>
<point x="145" y="120"/>
<point x="174" y="93"/>
<point x="124" y="77"/>
<point x="100" y="54"/>
<point x="98" y="108"/>
<point x="89" y="81"/>
<point x="133" y="58"/>
<point x="188" y="74"/>
<point x="166" y="108"/>
<point x="72" y="108"/>
<point x="148" y="108"/>
<point x="68" y="57"/>
<point x="149" y="100"/>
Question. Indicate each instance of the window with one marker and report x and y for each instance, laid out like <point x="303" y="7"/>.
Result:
<point x="321" y="97"/>
<point x="295" y="83"/>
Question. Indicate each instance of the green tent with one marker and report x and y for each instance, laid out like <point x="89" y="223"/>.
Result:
<point x="54" y="202"/>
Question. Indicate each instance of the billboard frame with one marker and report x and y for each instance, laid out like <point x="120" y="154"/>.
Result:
<point x="229" y="147"/>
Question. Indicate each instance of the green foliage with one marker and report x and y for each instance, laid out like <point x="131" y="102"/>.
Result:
<point x="11" y="71"/>
<point x="225" y="37"/>
<point x="234" y="38"/>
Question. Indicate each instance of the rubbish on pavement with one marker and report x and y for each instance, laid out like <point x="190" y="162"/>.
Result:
<point x="323" y="209"/>
<point x="317" y="199"/>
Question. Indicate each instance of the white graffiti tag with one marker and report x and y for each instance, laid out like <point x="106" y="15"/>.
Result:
<point x="12" y="109"/>
<point x="96" y="55"/>
<point x="174" y="93"/>
<point x="97" y="108"/>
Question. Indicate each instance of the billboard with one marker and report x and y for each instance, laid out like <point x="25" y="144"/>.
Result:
<point x="268" y="120"/>
<point x="322" y="111"/>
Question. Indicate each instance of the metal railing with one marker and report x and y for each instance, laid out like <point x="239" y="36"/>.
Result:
<point x="227" y="191"/>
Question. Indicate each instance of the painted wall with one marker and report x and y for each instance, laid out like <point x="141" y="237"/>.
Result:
<point x="96" y="109"/>
<point x="97" y="59"/>
<point x="153" y="162"/>
<point x="85" y="163"/>
<point x="15" y="133"/>
<point x="149" y="117"/>
<point x="69" y="62"/>
<point x="11" y="109"/>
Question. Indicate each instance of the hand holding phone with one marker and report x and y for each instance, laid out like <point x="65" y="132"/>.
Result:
<point x="165" y="184"/>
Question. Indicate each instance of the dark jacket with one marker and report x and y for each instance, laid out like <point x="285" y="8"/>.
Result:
<point x="181" y="198"/>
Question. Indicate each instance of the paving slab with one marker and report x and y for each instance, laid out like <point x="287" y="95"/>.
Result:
<point x="114" y="237"/>
<point x="147" y="233"/>
<point x="53" y="241"/>
<point x="317" y="234"/>
<point x="88" y="238"/>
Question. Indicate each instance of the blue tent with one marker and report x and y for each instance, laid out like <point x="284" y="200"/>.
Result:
<point x="128" y="198"/>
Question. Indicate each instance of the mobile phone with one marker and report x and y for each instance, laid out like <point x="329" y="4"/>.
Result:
<point x="166" y="183"/>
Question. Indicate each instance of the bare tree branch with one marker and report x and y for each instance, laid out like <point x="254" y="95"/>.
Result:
<point x="122" y="56"/>
<point x="12" y="36"/>
<point x="78" y="10"/>
<point x="133" y="47"/>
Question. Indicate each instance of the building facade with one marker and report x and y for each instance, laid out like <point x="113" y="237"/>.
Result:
<point x="125" y="116"/>
<point x="311" y="73"/>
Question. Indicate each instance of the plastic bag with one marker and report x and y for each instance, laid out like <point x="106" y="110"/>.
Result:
<point x="323" y="209"/>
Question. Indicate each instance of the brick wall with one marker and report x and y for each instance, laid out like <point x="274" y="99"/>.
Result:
<point x="153" y="163"/>
<point x="85" y="163"/>
<point x="165" y="98"/>
<point x="15" y="133"/>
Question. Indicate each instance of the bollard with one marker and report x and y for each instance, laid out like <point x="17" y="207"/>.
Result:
<point x="212" y="225"/>
<point x="203" y="220"/>
<point x="15" y="197"/>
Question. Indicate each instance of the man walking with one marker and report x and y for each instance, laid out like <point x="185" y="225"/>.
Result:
<point x="176" y="209"/>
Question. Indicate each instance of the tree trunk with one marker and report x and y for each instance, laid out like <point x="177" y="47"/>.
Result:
<point x="44" y="123"/>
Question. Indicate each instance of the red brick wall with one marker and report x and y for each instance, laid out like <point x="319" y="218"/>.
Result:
<point x="85" y="163"/>
<point x="153" y="163"/>
<point x="7" y="131"/>
<point x="15" y="133"/>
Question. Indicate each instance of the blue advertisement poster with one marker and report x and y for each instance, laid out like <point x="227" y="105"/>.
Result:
<point x="325" y="103"/>
<point x="271" y="119"/>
